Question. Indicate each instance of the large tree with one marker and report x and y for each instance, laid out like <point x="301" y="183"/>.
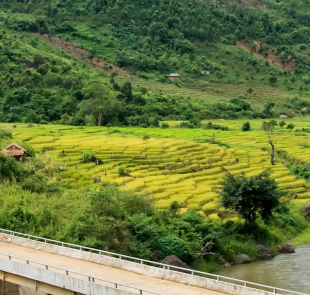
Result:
<point x="102" y="104"/>
<point x="250" y="196"/>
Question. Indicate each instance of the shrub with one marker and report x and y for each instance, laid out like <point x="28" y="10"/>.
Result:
<point x="10" y="169"/>
<point x="30" y="152"/>
<point x="121" y="170"/>
<point x="173" y="245"/>
<point x="164" y="125"/>
<point x="246" y="126"/>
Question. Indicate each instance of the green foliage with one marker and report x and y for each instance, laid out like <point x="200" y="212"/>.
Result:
<point x="121" y="170"/>
<point x="30" y="152"/>
<point x="282" y="124"/>
<point x="11" y="169"/>
<point x="215" y="127"/>
<point x="246" y="126"/>
<point x="250" y="197"/>
<point x="165" y="125"/>
<point x="269" y="126"/>
<point x="290" y="126"/>
<point x="5" y="134"/>
<point x="87" y="154"/>
<point x="173" y="245"/>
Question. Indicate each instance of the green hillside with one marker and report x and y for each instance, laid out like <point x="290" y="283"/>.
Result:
<point x="257" y="53"/>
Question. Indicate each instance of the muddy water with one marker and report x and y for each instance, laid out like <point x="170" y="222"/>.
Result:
<point x="286" y="271"/>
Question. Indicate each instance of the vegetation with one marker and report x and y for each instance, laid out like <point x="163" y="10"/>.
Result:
<point x="76" y="73"/>
<point x="40" y="83"/>
<point x="151" y="217"/>
<point x="250" y="197"/>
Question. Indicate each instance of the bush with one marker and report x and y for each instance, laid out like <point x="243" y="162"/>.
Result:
<point x="121" y="170"/>
<point x="164" y="125"/>
<point x="5" y="134"/>
<point x="30" y="152"/>
<point x="173" y="245"/>
<point x="215" y="127"/>
<point x="11" y="169"/>
<point x="246" y="126"/>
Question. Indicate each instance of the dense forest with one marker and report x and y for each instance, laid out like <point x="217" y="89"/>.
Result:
<point x="149" y="39"/>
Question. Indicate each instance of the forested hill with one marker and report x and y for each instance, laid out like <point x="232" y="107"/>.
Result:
<point x="252" y="49"/>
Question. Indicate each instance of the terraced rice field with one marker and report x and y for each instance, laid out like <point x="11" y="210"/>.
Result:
<point x="207" y="90"/>
<point x="170" y="165"/>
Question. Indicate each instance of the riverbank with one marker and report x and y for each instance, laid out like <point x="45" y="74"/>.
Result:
<point x="287" y="271"/>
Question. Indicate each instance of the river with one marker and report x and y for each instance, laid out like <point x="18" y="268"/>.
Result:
<point x="286" y="271"/>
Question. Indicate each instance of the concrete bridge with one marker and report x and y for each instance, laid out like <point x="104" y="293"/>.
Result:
<point x="32" y="265"/>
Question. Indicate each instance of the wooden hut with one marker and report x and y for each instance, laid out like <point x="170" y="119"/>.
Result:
<point x="14" y="150"/>
<point x="173" y="76"/>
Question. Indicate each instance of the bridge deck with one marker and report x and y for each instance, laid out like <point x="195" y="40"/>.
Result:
<point x="105" y="272"/>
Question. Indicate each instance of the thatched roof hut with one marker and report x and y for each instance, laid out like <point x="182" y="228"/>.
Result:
<point x="14" y="150"/>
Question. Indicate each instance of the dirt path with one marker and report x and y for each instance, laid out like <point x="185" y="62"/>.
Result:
<point x="102" y="271"/>
<point x="82" y="54"/>
<point x="271" y="57"/>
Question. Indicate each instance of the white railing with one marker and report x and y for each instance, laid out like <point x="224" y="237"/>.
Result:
<point x="74" y="274"/>
<point x="157" y="264"/>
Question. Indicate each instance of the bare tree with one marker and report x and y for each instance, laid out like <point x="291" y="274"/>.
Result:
<point x="206" y="249"/>
<point x="272" y="148"/>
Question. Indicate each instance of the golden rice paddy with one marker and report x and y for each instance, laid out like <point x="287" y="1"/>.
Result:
<point x="173" y="164"/>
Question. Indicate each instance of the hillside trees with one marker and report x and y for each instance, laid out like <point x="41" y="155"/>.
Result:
<point x="251" y="197"/>
<point x="102" y="104"/>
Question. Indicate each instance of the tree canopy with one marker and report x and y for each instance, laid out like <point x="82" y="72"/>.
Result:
<point x="251" y="197"/>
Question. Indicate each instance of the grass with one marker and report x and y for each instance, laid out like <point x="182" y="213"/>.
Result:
<point x="171" y="166"/>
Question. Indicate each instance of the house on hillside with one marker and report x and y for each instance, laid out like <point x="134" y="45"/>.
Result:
<point x="173" y="76"/>
<point x="204" y="73"/>
<point x="14" y="150"/>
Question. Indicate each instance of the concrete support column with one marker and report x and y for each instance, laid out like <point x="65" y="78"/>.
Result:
<point x="7" y="288"/>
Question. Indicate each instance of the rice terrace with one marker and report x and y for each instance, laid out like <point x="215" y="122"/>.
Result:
<point x="182" y="165"/>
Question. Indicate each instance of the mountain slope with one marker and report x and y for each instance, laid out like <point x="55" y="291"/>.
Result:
<point x="148" y="39"/>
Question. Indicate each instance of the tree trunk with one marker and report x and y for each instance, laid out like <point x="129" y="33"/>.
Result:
<point x="99" y="119"/>
<point x="272" y="150"/>
<point x="272" y="154"/>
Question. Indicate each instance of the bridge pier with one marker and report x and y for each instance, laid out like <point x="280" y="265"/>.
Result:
<point x="7" y="288"/>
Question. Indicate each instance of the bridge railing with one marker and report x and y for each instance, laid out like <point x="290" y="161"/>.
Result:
<point x="75" y="274"/>
<point x="157" y="264"/>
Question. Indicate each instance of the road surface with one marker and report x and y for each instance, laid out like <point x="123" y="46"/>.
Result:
<point x="102" y="271"/>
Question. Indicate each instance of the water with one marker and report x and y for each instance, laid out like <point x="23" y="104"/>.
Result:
<point x="286" y="271"/>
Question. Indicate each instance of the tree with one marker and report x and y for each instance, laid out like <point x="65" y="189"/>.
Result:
<point x="290" y="126"/>
<point x="282" y="124"/>
<point x="273" y="79"/>
<point x="272" y="149"/>
<point x="146" y="138"/>
<point x="269" y="126"/>
<point x="101" y="103"/>
<point x="87" y="155"/>
<point x="250" y="197"/>
<point x="65" y="118"/>
<point x="268" y="108"/>
<point x="246" y="126"/>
